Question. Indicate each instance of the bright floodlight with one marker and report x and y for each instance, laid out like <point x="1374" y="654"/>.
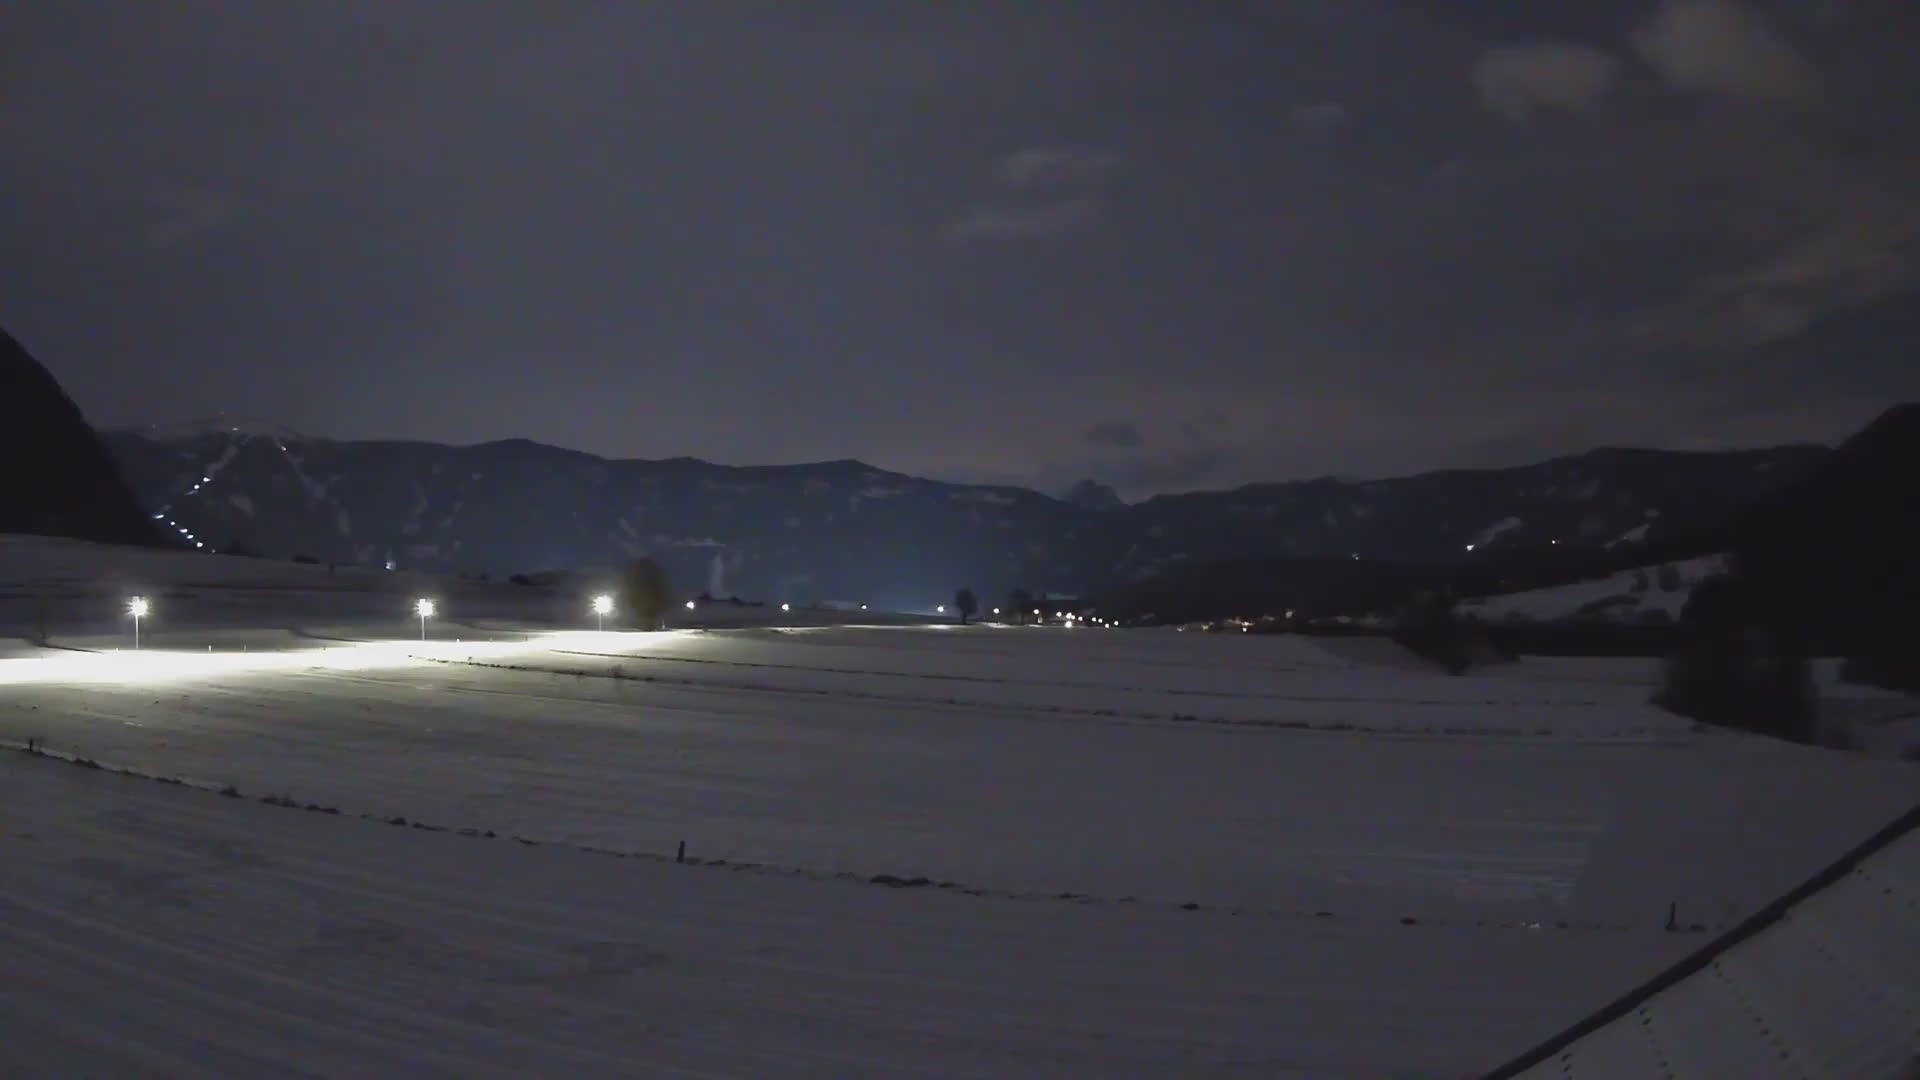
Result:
<point x="786" y="607"/>
<point x="137" y="607"/>
<point x="603" y="605"/>
<point x="941" y="610"/>
<point x="423" y="608"/>
<point x="689" y="605"/>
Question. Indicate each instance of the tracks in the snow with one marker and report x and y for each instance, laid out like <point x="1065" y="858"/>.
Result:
<point x="203" y="788"/>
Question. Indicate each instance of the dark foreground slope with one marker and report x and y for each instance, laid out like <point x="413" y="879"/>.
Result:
<point x="58" y="479"/>
<point x="1837" y="553"/>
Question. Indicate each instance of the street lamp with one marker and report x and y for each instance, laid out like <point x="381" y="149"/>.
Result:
<point x="423" y="607"/>
<point x="786" y="607"/>
<point x="941" y="610"/>
<point x="689" y="605"/>
<point x="602" y="607"/>
<point x="137" y="607"/>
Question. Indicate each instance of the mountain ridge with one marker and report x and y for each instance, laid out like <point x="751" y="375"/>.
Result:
<point x="849" y="530"/>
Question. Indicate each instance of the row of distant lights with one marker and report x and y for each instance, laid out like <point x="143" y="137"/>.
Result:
<point x="1470" y="547"/>
<point x="602" y="605"/>
<point x="182" y="529"/>
<point x="139" y="607"/>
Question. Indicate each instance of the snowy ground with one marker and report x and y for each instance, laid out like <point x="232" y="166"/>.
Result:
<point x="1144" y="852"/>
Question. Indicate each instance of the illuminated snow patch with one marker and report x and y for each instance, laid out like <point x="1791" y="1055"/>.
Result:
<point x="159" y="666"/>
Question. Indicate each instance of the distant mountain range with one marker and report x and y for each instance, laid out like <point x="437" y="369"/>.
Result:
<point x="845" y="530"/>
<point x="1829" y="547"/>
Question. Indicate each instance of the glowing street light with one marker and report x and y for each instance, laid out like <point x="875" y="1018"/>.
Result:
<point x="423" y="607"/>
<point x="689" y="605"/>
<point x="786" y="607"/>
<point x="138" y="608"/>
<point x="602" y="607"/>
<point x="941" y="610"/>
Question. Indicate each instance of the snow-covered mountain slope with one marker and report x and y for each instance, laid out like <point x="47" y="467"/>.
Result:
<point x="844" y="530"/>
<point x="1649" y="594"/>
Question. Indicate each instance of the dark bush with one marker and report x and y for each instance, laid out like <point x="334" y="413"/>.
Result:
<point x="645" y="594"/>
<point x="1739" y="665"/>
<point x="1428" y="626"/>
<point x="1886" y="665"/>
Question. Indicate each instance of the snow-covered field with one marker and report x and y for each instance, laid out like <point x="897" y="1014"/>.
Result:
<point x="1142" y="852"/>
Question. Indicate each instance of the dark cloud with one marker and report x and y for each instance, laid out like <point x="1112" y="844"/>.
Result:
<point x="1180" y="470"/>
<point x="1057" y="167"/>
<point x="1120" y="433"/>
<point x="1724" y="47"/>
<point x="1013" y="222"/>
<point x="1522" y="82"/>
<point x="1322" y="119"/>
<point x="1046" y="191"/>
<point x="180" y="215"/>
<point x="1355" y="236"/>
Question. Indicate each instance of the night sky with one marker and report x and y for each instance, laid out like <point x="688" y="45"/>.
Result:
<point x="1169" y="245"/>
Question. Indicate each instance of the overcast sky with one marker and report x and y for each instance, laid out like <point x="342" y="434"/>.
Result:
<point x="1167" y="244"/>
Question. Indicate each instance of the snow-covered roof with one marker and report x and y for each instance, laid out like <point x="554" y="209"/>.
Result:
<point x="1823" y="982"/>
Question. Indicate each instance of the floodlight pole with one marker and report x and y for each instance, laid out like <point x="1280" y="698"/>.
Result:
<point x="136" y="632"/>
<point x="423" y="626"/>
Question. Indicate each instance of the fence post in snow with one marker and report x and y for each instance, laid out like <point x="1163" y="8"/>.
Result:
<point x="682" y="855"/>
<point x="1673" y="912"/>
